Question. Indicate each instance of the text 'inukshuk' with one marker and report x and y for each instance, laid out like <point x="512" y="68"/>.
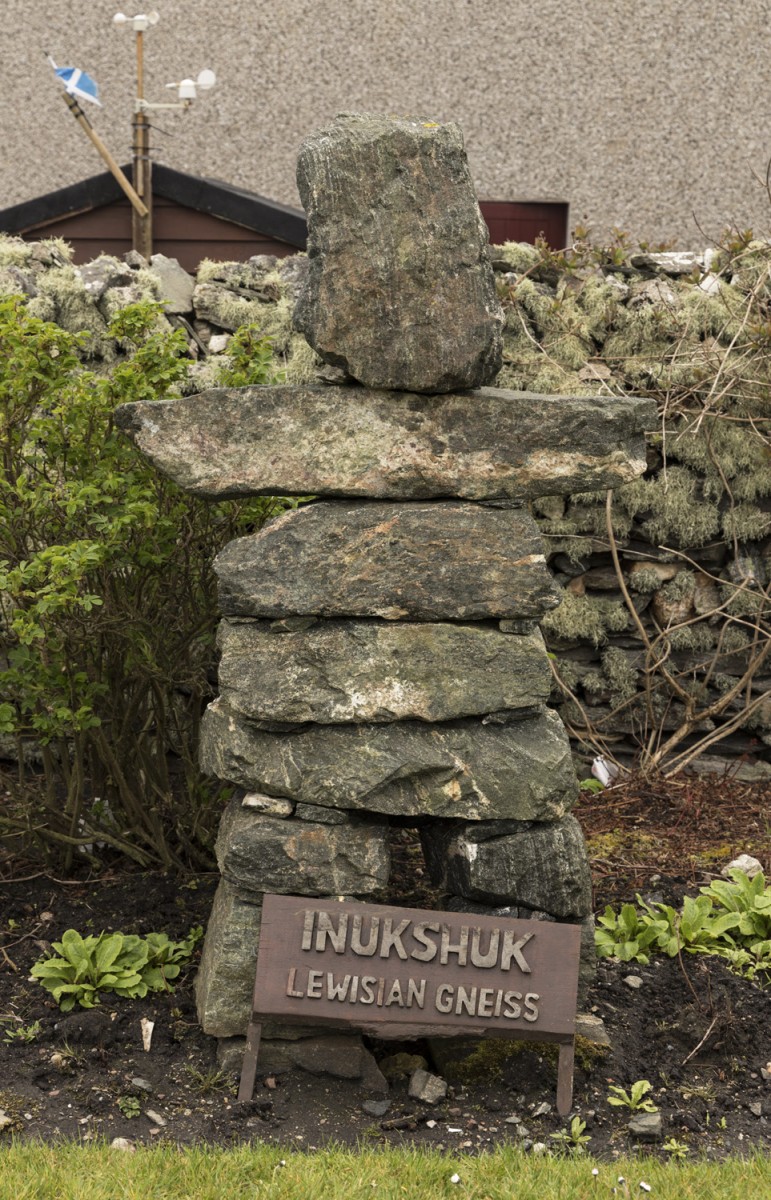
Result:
<point x="379" y="649"/>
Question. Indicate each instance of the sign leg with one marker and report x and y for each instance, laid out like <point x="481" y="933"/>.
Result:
<point x="565" y="1077"/>
<point x="249" y="1067"/>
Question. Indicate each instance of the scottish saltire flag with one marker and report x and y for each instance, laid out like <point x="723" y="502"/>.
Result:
<point x="77" y="83"/>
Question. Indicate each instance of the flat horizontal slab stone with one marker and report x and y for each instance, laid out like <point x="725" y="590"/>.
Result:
<point x="466" y="769"/>
<point x="350" y="441"/>
<point x="338" y="671"/>
<point x="260" y="854"/>
<point x="428" y="561"/>
<point x="541" y="866"/>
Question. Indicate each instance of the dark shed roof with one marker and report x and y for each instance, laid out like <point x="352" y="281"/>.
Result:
<point x="193" y="218"/>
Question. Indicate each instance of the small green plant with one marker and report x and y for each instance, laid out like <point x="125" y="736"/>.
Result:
<point x="125" y="964"/>
<point x="251" y="359"/>
<point x="635" y="1100"/>
<point x="21" y="1033"/>
<point x="207" y="1081"/>
<point x="129" y="1106"/>
<point x="626" y="935"/>
<point x="573" y="1140"/>
<point x="699" y="1091"/>
<point x="591" y="785"/>
<point x="731" y="919"/>
<point x="69" y="1057"/>
<point x="675" y="1149"/>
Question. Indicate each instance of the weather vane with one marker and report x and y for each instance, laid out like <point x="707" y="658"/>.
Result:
<point x="80" y="86"/>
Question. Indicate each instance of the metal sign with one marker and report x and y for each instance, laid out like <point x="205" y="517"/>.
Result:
<point x="411" y="973"/>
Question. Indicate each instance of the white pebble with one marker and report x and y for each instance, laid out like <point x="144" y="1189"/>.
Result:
<point x="122" y="1144"/>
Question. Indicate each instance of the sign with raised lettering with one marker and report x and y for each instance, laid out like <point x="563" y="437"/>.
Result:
<point x="409" y="973"/>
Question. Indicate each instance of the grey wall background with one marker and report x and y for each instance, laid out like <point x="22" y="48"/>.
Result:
<point x="653" y="117"/>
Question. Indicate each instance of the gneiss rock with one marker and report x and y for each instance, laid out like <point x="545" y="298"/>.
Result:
<point x="267" y="854"/>
<point x="223" y="985"/>
<point x="375" y="1108"/>
<point x="340" y="671"/>
<point x="427" y="1087"/>
<point x="339" y="1055"/>
<point x="400" y="289"/>
<point x="352" y="441"/>
<point x="426" y="561"/>
<point x="462" y="769"/>
<point x="646" y="1127"/>
<point x="541" y="866"/>
<point x="176" y="285"/>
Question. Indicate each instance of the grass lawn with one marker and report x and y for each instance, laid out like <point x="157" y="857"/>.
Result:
<point x="73" y="1172"/>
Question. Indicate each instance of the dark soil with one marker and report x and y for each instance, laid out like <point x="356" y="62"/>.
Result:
<point x="699" y="1034"/>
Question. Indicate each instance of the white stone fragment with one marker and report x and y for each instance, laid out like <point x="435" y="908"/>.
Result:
<point x="273" y="806"/>
<point x="427" y="1087"/>
<point x="746" y="863"/>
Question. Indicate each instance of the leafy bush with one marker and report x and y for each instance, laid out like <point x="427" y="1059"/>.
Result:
<point x="731" y="919"/>
<point x="125" y="964"/>
<point x="107" y="599"/>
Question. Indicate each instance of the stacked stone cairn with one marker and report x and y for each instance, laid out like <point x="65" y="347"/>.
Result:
<point x="380" y="656"/>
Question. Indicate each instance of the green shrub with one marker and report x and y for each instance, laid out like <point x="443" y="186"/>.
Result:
<point x="107" y="599"/>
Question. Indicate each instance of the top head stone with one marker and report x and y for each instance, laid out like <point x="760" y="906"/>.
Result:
<point x="400" y="290"/>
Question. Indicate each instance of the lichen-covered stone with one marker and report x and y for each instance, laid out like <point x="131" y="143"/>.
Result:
<point x="269" y="854"/>
<point x="538" y="865"/>
<point x="424" y="561"/>
<point x="225" y="979"/>
<point x="340" y="671"/>
<point x="351" y="441"/>
<point x="466" y="769"/>
<point x="400" y="288"/>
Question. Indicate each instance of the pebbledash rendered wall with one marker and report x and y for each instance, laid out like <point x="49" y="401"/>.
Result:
<point x="649" y="116"/>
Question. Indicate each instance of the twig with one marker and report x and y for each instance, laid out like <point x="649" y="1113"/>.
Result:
<point x="696" y="1049"/>
<point x="10" y="961"/>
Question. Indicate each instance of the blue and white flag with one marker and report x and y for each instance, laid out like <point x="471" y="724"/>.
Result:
<point x="77" y="83"/>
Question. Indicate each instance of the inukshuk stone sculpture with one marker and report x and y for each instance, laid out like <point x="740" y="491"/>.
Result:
<point x="379" y="649"/>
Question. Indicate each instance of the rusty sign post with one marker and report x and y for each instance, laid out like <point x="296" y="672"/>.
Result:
<point x="410" y="973"/>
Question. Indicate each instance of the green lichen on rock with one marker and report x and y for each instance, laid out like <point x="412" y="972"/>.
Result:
<point x="724" y="452"/>
<point x="745" y="523"/>
<point x="744" y="602"/>
<point x="579" y="618"/>
<point x="61" y="292"/>
<point x="671" y="508"/>
<point x="519" y="256"/>
<point x="621" y="676"/>
<point x="696" y="639"/>
<point x="15" y="252"/>
<point x="645" y="581"/>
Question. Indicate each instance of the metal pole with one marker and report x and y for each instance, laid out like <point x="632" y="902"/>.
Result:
<point x="142" y="225"/>
<point x="84" y="123"/>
